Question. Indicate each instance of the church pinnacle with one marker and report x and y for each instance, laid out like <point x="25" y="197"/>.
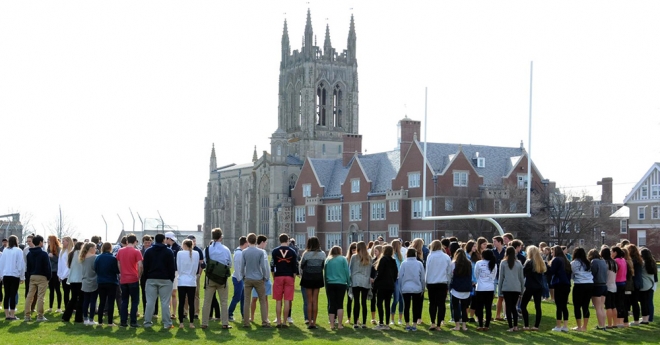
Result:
<point x="254" y="154"/>
<point x="327" y="45"/>
<point x="308" y="49"/>
<point x="351" y="45"/>
<point x="286" y="48"/>
<point x="214" y="164"/>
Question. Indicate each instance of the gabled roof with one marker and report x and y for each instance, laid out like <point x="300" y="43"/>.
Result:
<point x="330" y="173"/>
<point x="498" y="159"/>
<point x="293" y="160"/>
<point x="655" y="166"/>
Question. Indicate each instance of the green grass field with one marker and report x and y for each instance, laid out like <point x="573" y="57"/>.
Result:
<point x="56" y="332"/>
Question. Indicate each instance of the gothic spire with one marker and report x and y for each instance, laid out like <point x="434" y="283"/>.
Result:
<point x="327" y="45"/>
<point x="286" y="48"/>
<point x="254" y="154"/>
<point x="351" y="42"/>
<point x="213" y="164"/>
<point x="309" y="35"/>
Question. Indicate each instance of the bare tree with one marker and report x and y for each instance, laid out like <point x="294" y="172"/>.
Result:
<point x="570" y="217"/>
<point x="62" y="226"/>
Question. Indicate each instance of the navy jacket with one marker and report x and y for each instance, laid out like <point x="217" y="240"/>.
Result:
<point x="106" y="269"/>
<point x="462" y="283"/>
<point x="158" y="262"/>
<point x="38" y="263"/>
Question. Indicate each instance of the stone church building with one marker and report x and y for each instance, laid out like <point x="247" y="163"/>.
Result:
<point x="318" y="106"/>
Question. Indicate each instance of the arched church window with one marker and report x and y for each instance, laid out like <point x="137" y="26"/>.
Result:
<point x="321" y="103"/>
<point x="300" y="106"/>
<point x="337" y="106"/>
<point x="279" y="149"/>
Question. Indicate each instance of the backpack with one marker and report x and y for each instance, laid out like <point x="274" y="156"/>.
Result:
<point x="216" y="271"/>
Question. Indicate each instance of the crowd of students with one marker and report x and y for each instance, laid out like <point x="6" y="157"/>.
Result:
<point x="390" y="278"/>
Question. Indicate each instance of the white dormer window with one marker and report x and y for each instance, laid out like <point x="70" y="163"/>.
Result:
<point x="655" y="191"/>
<point x="481" y="162"/>
<point x="413" y="180"/>
<point x="645" y="191"/>
<point x="522" y="181"/>
<point x="355" y="185"/>
<point x="306" y="190"/>
<point x="460" y="178"/>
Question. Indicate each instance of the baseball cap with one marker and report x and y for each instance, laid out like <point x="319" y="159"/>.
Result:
<point x="170" y="235"/>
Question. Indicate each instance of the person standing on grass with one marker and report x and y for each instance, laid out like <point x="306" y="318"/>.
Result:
<point x="130" y="268"/>
<point x="158" y="265"/>
<point x="649" y="273"/>
<point x="146" y="244"/>
<point x="216" y="252"/>
<point x="187" y="261"/>
<point x="201" y="265"/>
<point x="599" y="274"/>
<point x="376" y="252"/>
<point x="12" y="271"/>
<point x="284" y="265"/>
<point x="360" y="268"/>
<point x="560" y="270"/>
<point x="486" y="273"/>
<point x="638" y="265"/>
<point x="337" y="280"/>
<point x="621" y="276"/>
<point x="397" y="298"/>
<point x="511" y="282"/>
<point x="89" y="283"/>
<point x="460" y="287"/>
<point x="411" y="284"/>
<point x="54" y="249"/>
<point x="26" y="250"/>
<point x="171" y="242"/>
<point x="499" y="249"/>
<point x="237" y="279"/>
<point x="311" y="277"/>
<point x="386" y="274"/>
<point x="352" y="249"/>
<point x="107" y="270"/>
<point x="38" y="265"/>
<point x="438" y="275"/>
<point x="610" y="297"/>
<point x="255" y="273"/>
<point x="63" y="268"/>
<point x="534" y="272"/>
<point x="75" y="283"/>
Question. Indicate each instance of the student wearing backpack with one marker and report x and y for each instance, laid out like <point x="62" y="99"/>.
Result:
<point x="216" y="253"/>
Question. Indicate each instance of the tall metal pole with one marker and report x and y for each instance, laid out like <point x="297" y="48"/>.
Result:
<point x="106" y="228"/>
<point x="162" y="222"/>
<point x="529" y="142"/>
<point x="141" y="222"/>
<point x="129" y="210"/>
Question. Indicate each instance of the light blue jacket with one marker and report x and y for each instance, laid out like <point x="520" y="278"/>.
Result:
<point x="411" y="276"/>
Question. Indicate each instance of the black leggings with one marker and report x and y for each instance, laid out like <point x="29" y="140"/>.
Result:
<point x="374" y="293"/>
<point x="634" y="301"/>
<point x="529" y="293"/>
<point x="459" y="306"/>
<point x="561" y="301"/>
<point x="645" y="301"/>
<point x="75" y="303"/>
<point x="54" y="287"/>
<point x="484" y="301"/>
<point x="621" y="311"/>
<point x="581" y="300"/>
<point x="107" y="293"/>
<point x="384" y="296"/>
<point x="510" y="307"/>
<point x="349" y="305"/>
<point x="335" y="293"/>
<point x="360" y="300"/>
<point x="66" y="289"/>
<point x="11" y="289"/>
<point x="186" y="291"/>
<point x="437" y="297"/>
<point x="416" y="306"/>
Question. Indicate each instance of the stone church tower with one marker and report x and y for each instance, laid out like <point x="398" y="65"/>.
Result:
<point x="318" y="105"/>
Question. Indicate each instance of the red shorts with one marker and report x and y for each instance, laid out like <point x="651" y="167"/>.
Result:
<point x="283" y="288"/>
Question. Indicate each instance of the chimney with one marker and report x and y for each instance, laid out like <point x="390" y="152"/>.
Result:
<point x="352" y="144"/>
<point x="199" y="227"/>
<point x="606" y="196"/>
<point x="410" y="130"/>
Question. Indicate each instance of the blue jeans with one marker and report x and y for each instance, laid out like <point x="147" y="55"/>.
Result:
<point x="89" y="305"/>
<point x="132" y="291"/>
<point x="304" y="296"/>
<point x="398" y="298"/>
<point x="238" y="297"/>
<point x="546" y="289"/>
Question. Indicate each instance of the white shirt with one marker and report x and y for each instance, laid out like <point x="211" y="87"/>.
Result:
<point x="485" y="277"/>
<point x="12" y="263"/>
<point x="187" y="267"/>
<point x="62" y="268"/>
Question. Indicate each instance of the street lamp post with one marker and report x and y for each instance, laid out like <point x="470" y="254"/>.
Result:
<point x="602" y="236"/>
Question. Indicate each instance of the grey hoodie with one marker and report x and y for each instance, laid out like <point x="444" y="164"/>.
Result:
<point x="411" y="276"/>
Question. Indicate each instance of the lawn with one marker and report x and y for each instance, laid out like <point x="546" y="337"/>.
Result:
<point x="56" y="332"/>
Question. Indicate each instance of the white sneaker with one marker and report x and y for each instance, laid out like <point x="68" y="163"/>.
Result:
<point x="400" y="323"/>
<point x="556" y="329"/>
<point x="564" y="329"/>
<point x="289" y="319"/>
<point x="392" y="322"/>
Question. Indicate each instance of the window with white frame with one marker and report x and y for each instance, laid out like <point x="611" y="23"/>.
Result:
<point x="472" y="205"/>
<point x="355" y="212"/>
<point x="641" y="238"/>
<point x="332" y="239"/>
<point x="378" y="210"/>
<point x="426" y="236"/>
<point x="522" y="181"/>
<point x="581" y="242"/>
<point x="311" y="210"/>
<point x="497" y="206"/>
<point x="596" y="211"/>
<point x="355" y="185"/>
<point x="393" y="230"/>
<point x="655" y="191"/>
<point x="513" y="207"/>
<point x="333" y="213"/>
<point x="301" y="239"/>
<point x="655" y="212"/>
<point x="300" y="214"/>
<point x="307" y="190"/>
<point x="641" y="212"/>
<point x="553" y="231"/>
<point x="644" y="191"/>
<point x="481" y="162"/>
<point x="311" y="231"/>
<point x="413" y="180"/>
<point x="577" y="228"/>
<point x="417" y="208"/>
<point x="460" y="178"/>
<point x="374" y="236"/>
<point x="623" y="226"/>
<point x="394" y="205"/>
<point x="449" y="204"/>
